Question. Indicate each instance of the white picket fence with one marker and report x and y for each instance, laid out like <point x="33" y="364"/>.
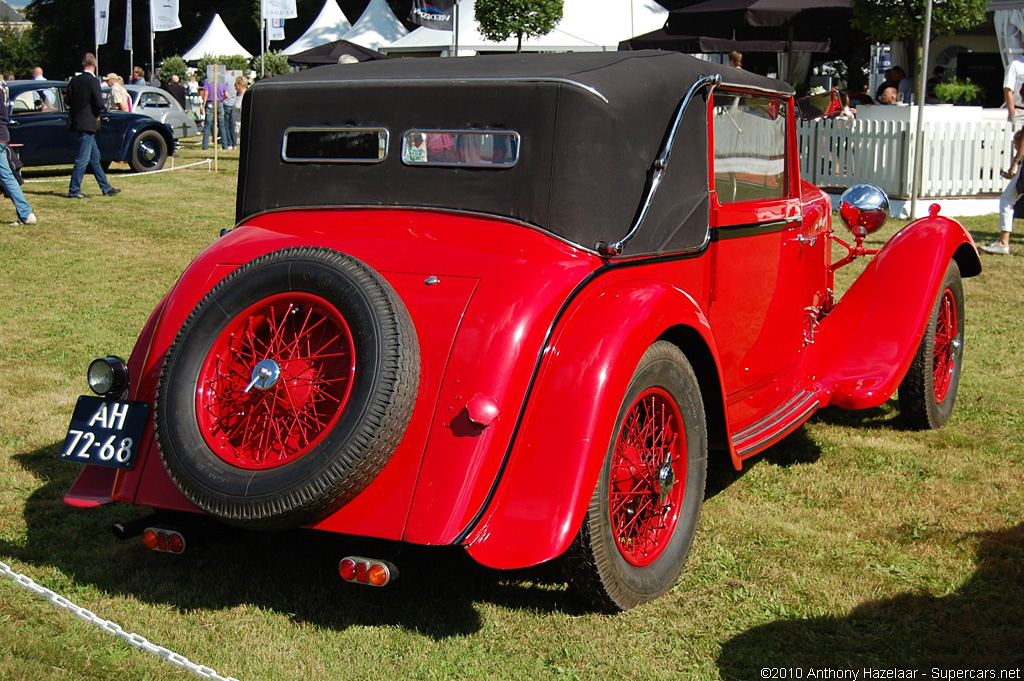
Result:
<point x="961" y="159"/>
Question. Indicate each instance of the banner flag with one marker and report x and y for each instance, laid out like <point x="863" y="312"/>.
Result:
<point x="128" y="26"/>
<point x="275" y="29"/>
<point x="433" y="13"/>
<point x="102" y="9"/>
<point x="279" y="9"/>
<point x="165" y="14"/>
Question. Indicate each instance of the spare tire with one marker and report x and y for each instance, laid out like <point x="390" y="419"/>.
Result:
<point x="287" y="389"/>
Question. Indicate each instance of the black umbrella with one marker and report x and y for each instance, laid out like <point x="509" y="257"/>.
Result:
<point x="717" y="15"/>
<point x="330" y="53"/>
<point x="662" y="39"/>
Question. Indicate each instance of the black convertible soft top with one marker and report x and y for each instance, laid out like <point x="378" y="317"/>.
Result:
<point x="591" y="127"/>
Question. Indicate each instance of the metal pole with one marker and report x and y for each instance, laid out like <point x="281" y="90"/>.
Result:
<point x="263" y="41"/>
<point x="922" y="83"/>
<point x="152" y="37"/>
<point x="455" y="29"/>
<point x="131" y="39"/>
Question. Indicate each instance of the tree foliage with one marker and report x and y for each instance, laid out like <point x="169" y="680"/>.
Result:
<point x="501" y="19"/>
<point x="886" y="20"/>
<point x="232" y="62"/>
<point x="171" y="66"/>
<point x="274" y="64"/>
<point x="18" y="51"/>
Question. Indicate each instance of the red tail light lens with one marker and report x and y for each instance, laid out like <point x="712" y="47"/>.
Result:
<point x="164" y="540"/>
<point x="347" y="569"/>
<point x="367" y="571"/>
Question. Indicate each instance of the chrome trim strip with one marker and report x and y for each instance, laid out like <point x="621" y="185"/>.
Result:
<point x="659" y="166"/>
<point x="749" y="450"/>
<point x="289" y="159"/>
<point x="433" y="81"/>
<point x="477" y="131"/>
<point x="776" y="415"/>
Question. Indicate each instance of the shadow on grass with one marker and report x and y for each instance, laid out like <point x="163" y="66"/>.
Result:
<point x="286" y="572"/>
<point x="977" y="627"/>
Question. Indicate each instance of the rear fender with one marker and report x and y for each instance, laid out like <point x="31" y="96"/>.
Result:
<point x="560" y="447"/>
<point x="864" y="346"/>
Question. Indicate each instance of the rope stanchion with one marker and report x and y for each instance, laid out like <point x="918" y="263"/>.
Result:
<point x="207" y="161"/>
<point x="136" y="640"/>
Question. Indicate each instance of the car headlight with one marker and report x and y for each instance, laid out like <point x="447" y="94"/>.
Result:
<point x="108" y="375"/>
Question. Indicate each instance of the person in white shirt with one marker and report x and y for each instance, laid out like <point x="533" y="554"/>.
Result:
<point x="1013" y="79"/>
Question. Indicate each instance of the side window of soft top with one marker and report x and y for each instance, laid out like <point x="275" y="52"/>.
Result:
<point x="750" y="147"/>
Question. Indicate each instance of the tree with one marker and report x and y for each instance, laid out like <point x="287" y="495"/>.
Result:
<point x="18" y="50"/>
<point x="172" y="66"/>
<point x="885" y="20"/>
<point x="501" y="19"/>
<point x="274" y="64"/>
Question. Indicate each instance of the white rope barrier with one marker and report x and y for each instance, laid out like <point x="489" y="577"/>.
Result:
<point x="207" y="161"/>
<point x="140" y="642"/>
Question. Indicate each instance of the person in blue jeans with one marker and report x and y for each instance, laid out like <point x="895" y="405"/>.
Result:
<point x="210" y="98"/>
<point x="7" y="178"/>
<point x="85" y="102"/>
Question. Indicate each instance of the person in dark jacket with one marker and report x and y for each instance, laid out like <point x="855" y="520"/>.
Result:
<point x="7" y="178"/>
<point x="85" y="102"/>
<point x="177" y="91"/>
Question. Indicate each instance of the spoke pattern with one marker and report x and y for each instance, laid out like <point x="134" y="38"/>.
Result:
<point x="312" y="346"/>
<point x="943" y="358"/>
<point x="651" y="436"/>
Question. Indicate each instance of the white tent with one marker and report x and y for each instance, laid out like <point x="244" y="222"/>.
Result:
<point x="217" y="41"/>
<point x="587" y="25"/>
<point x="377" y="28"/>
<point x="330" y="25"/>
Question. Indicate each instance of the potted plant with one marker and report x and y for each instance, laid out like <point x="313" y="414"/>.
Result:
<point x="956" y="91"/>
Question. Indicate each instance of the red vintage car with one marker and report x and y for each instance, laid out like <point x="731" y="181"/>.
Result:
<point x="514" y="304"/>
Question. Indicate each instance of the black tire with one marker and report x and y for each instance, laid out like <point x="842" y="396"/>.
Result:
<point x="923" y="404"/>
<point x="595" y="566"/>
<point x="148" y="152"/>
<point x="298" y="481"/>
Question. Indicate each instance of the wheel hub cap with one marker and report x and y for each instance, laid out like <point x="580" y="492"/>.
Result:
<point x="264" y="375"/>
<point x="147" y="151"/>
<point x="666" y="481"/>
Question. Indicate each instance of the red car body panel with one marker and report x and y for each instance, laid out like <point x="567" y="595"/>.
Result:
<point x="568" y="422"/>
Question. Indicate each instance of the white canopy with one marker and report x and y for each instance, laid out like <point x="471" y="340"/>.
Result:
<point x="330" y="25"/>
<point x="217" y="41"/>
<point x="377" y="28"/>
<point x="587" y="25"/>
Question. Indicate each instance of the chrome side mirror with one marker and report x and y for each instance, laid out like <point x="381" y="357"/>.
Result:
<point x="864" y="208"/>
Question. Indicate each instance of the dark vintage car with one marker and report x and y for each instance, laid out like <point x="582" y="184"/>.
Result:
<point x="514" y="304"/>
<point x="39" y="122"/>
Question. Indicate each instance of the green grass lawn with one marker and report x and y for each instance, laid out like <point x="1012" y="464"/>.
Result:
<point x="854" y="543"/>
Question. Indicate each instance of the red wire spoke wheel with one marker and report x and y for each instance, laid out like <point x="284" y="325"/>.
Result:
<point x="648" y="459"/>
<point x="287" y="389"/>
<point x="928" y="391"/>
<point x="275" y="381"/>
<point x="639" y="527"/>
<point x="944" y="353"/>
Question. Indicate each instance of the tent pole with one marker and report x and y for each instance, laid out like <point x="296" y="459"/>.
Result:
<point x="922" y="84"/>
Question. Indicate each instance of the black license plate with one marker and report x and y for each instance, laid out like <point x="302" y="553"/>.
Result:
<point x="105" y="432"/>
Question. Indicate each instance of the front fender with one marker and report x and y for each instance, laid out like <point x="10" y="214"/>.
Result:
<point x="866" y="343"/>
<point x="140" y="125"/>
<point x="560" y="448"/>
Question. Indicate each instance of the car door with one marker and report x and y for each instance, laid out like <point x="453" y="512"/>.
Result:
<point x="757" y="296"/>
<point x="39" y="122"/>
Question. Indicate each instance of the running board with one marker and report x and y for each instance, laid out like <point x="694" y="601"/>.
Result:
<point x="775" y="425"/>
